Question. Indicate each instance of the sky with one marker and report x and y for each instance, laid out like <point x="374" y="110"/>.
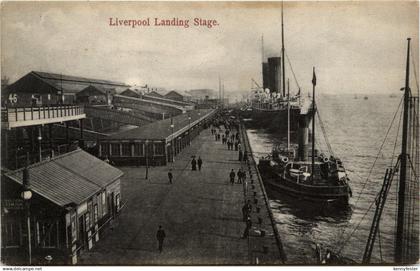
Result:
<point x="356" y="47"/>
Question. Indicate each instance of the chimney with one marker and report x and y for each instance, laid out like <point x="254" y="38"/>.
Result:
<point x="265" y="73"/>
<point x="274" y="74"/>
<point x="303" y="137"/>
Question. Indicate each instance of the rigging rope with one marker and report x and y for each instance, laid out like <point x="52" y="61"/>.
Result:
<point x="364" y="215"/>
<point x="291" y="68"/>
<point x="367" y="179"/>
<point x="377" y="156"/>
<point x="415" y="72"/>
<point x="321" y="124"/>
<point x="380" y="243"/>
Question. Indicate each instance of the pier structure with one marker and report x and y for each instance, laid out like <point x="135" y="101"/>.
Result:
<point x="157" y="143"/>
<point x="159" y="109"/>
<point x="201" y="213"/>
<point x="27" y="132"/>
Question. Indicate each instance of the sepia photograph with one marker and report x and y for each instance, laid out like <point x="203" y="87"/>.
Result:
<point x="210" y="133"/>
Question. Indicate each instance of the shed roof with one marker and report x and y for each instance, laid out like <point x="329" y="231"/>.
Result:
<point x="69" y="178"/>
<point x="162" y="129"/>
<point x="95" y="90"/>
<point x="74" y="84"/>
<point x="173" y="93"/>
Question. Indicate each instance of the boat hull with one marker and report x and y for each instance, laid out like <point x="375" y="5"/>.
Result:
<point x="334" y="195"/>
<point x="275" y="121"/>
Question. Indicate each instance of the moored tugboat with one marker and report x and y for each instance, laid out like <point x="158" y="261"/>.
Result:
<point x="321" y="179"/>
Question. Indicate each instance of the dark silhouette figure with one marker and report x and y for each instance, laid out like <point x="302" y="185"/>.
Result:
<point x="193" y="164"/>
<point x="170" y="176"/>
<point x="239" y="174"/>
<point x="248" y="227"/>
<point x="160" y="236"/>
<point x="232" y="177"/>
<point x="246" y="210"/>
<point x="240" y="155"/>
<point x="200" y="163"/>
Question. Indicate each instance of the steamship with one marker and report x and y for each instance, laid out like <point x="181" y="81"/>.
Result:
<point x="271" y="102"/>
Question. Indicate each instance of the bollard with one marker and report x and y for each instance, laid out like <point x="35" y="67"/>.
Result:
<point x="262" y="233"/>
<point x="260" y="220"/>
<point x="265" y="249"/>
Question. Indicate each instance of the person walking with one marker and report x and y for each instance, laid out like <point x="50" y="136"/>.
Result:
<point x="245" y="156"/>
<point x="240" y="155"/>
<point x="170" y="176"/>
<point x="193" y="164"/>
<point x="247" y="228"/>
<point x="239" y="174"/>
<point x="246" y="210"/>
<point x="232" y="177"/>
<point x="236" y="145"/>
<point x="160" y="236"/>
<point x="200" y="162"/>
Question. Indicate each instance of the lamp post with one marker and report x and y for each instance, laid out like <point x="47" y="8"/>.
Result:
<point x="189" y="129"/>
<point x="173" y="141"/>
<point x="147" y="158"/>
<point x="39" y="143"/>
<point x="26" y="195"/>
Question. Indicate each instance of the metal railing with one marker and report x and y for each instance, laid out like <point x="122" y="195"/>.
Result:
<point x="15" y="114"/>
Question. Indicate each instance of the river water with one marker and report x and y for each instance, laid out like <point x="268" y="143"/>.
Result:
<point x="356" y="129"/>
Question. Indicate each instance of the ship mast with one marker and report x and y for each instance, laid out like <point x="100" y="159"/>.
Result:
<point x="313" y="125"/>
<point x="288" y="115"/>
<point x="282" y="51"/>
<point x="403" y="159"/>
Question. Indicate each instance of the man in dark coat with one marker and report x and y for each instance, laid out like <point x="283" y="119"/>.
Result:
<point x="160" y="236"/>
<point x="240" y="155"/>
<point x="232" y="177"/>
<point x="170" y="176"/>
<point x="248" y="227"/>
<point x="239" y="174"/>
<point x="246" y="210"/>
<point x="193" y="164"/>
<point x="200" y="162"/>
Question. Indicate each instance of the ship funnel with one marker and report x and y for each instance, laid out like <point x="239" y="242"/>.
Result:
<point x="303" y="133"/>
<point x="265" y="75"/>
<point x="274" y="74"/>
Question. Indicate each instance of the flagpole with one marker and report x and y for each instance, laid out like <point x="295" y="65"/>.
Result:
<point x="313" y="124"/>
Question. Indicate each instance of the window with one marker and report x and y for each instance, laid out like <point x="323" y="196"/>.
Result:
<point x="11" y="233"/>
<point x="87" y="220"/>
<point x="47" y="232"/>
<point x="159" y="149"/>
<point x="115" y="149"/>
<point x="104" y="149"/>
<point x="138" y="149"/>
<point x="117" y="199"/>
<point x="73" y="230"/>
<point x="104" y="205"/>
<point x="126" y="149"/>
<point x="95" y="213"/>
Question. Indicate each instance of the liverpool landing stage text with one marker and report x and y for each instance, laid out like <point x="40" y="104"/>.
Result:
<point x="186" y="23"/>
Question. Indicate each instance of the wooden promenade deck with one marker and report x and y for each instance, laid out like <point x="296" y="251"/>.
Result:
<point x="200" y="213"/>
